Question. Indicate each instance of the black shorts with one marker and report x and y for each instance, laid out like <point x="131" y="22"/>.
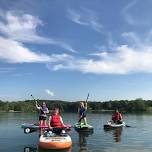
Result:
<point x="57" y="130"/>
<point x="83" y="115"/>
<point x="42" y="118"/>
<point x="119" y="122"/>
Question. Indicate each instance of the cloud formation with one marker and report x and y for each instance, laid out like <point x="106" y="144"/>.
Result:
<point x="128" y="17"/>
<point x="7" y="69"/>
<point x="23" y="28"/>
<point x="132" y="57"/>
<point x="124" y="59"/>
<point x="85" y="17"/>
<point x="17" y="29"/>
<point x="50" y="93"/>
<point x="15" y="52"/>
<point x="138" y="13"/>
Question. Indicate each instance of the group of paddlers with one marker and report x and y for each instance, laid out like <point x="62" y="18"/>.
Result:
<point x="56" y="121"/>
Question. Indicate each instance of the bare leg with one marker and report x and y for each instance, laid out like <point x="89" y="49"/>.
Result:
<point x="41" y="122"/>
<point x="85" y="120"/>
<point x="44" y="122"/>
<point x="40" y="132"/>
<point x="80" y="120"/>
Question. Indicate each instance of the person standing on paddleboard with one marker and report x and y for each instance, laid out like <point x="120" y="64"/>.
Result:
<point x="43" y="113"/>
<point x="117" y="117"/>
<point x="82" y="111"/>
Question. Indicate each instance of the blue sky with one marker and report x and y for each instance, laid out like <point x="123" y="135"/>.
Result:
<point x="57" y="49"/>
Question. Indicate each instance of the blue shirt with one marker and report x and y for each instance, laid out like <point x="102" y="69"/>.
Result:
<point x="82" y="112"/>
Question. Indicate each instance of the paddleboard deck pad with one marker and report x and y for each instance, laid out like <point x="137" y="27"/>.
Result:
<point x="50" y="140"/>
<point x="81" y="127"/>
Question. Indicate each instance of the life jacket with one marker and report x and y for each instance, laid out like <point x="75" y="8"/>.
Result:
<point x="55" y="121"/>
<point x="116" y="116"/>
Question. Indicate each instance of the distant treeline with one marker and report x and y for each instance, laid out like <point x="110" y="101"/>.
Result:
<point x="122" y="105"/>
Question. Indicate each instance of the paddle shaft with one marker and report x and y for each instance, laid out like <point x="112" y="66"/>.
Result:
<point x="87" y="97"/>
<point x="50" y="129"/>
<point x="34" y="100"/>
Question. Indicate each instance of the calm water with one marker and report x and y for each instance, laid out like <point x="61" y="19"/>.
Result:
<point x="130" y="139"/>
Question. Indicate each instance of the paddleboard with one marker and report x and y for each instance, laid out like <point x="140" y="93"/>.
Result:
<point x="50" y="140"/>
<point x="111" y="125"/>
<point x="81" y="127"/>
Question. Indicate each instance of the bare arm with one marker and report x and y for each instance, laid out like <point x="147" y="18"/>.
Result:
<point x="37" y="106"/>
<point x="61" y="121"/>
<point x="121" y="117"/>
<point x="85" y="105"/>
<point x="49" y="124"/>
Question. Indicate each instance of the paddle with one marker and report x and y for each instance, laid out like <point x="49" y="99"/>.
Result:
<point x="32" y="128"/>
<point x="87" y="97"/>
<point x="130" y="126"/>
<point x="35" y="100"/>
<point x="29" y="129"/>
<point x="67" y="127"/>
<point x="127" y="126"/>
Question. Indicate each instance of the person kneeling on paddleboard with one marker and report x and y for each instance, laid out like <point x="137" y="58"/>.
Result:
<point x="117" y="117"/>
<point x="43" y="113"/>
<point x="56" y="121"/>
<point x="82" y="110"/>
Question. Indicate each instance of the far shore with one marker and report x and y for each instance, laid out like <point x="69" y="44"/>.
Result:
<point x="90" y="111"/>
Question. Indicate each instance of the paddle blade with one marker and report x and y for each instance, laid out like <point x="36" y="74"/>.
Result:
<point x="128" y="126"/>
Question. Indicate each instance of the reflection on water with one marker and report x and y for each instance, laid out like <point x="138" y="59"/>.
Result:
<point x="116" y="133"/>
<point x="30" y="149"/>
<point x="35" y="149"/>
<point x="83" y="140"/>
<point x="82" y="145"/>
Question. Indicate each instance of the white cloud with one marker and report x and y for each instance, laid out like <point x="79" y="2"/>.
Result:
<point x="85" y="17"/>
<point x="19" y="28"/>
<point x="7" y="69"/>
<point x="132" y="38"/>
<point x="138" y="13"/>
<point x="62" y="45"/>
<point x="76" y="17"/>
<point x="21" y="74"/>
<point x="148" y="39"/>
<point x="123" y="60"/>
<point x="15" y="52"/>
<point x="128" y="17"/>
<point x="23" y="28"/>
<point x="50" y="93"/>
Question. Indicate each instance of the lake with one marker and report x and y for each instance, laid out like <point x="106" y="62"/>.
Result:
<point x="137" y="138"/>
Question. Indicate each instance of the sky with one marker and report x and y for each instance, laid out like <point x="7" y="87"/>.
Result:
<point x="62" y="50"/>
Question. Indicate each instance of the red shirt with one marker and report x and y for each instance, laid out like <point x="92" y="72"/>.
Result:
<point x="117" y="116"/>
